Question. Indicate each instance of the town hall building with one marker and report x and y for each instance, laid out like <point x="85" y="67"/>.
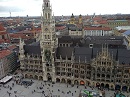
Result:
<point x="69" y="60"/>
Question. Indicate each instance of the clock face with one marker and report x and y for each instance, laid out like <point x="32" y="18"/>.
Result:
<point x="46" y="29"/>
<point x="47" y="55"/>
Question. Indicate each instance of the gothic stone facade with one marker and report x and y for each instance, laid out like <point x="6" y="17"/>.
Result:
<point x="46" y="60"/>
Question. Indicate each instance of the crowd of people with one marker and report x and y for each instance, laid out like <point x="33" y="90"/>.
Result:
<point x="48" y="89"/>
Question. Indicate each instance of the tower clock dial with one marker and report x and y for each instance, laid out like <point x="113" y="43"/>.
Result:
<point x="46" y="29"/>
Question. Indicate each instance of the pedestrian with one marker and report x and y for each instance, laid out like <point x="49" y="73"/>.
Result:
<point x="10" y="88"/>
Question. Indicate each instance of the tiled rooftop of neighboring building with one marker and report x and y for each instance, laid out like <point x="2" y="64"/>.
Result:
<point x="4" y="53"/>
<point x="4" y="41"/>
<point x="2" y="27"/>
<point x="98" y="28"/>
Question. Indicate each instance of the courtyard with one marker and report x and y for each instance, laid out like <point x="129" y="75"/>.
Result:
<point x="35" y="88"/>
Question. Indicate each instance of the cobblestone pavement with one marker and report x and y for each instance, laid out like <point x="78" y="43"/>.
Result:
<point x="42" y="89"/>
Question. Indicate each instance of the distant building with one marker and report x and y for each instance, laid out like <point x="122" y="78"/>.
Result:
<point x="115" y="23"/>
<point x="4" y="37"/>
<point x="4" y="62"/>
<point x="10" y="53"/>
<point x="74" y="20"/>
<point x="75" y="31"/>
<point x="97" y="31"/>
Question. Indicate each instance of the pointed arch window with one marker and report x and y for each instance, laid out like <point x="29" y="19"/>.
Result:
<point x="103" y="69"/>
<point x="48" y="15"/>
<point x="98" y="69"/>
<point x="47" y="4"/>
<point x="108" y="70"/>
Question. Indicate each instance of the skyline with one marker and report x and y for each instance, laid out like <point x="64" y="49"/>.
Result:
<point x="63" y="7"/>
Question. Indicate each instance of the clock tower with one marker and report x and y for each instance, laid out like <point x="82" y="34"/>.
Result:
<point x="48" y="42"/>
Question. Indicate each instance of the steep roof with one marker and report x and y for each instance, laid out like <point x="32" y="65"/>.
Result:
<point x="85" y="53"/>
<point x="33" y="48"/>
<point x="64" y="51"/>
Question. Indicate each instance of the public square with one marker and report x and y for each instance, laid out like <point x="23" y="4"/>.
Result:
<point x="45" y="89"/>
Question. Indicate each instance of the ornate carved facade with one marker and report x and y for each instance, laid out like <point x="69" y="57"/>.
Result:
<point x="72" y="63"/>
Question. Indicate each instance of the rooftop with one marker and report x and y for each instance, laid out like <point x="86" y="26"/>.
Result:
<point x="4" y="53"/>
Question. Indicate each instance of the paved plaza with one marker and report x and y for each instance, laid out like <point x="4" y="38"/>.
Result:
<point x="42" y="89"/>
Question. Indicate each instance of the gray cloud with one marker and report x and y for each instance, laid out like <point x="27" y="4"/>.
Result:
<point x="10" y="8"/>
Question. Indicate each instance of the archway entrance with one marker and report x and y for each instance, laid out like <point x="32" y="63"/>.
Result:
<point x="26" y="76"/>
<point x="63" y="80"/>
<point x="82" y="82"/>
<point x="112" y="87"/>
<point x="87" y="83"/>
<point x="107" y="86"/>
<point x="57" y="80"/>
<point x="102" y="85"/>
<point x="40" y="78"/>
<point x="35" y="77"/>
<point x="76" y="82"/>
<point x="49" y="78"/>
<point x="97" y="84"/>
<point x="69" y="81"/>
<point x="124" y="88"/>
<point x="117" y="87"/>
<point x="31" y="76"/>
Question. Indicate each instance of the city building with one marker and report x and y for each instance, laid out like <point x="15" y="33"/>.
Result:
<point x="4" y="63"/>
<point x="97" y="31"/>
<point x="75" y="20"/>
<point x="74" y="61"/>
<point x="115" y="23"/>
<point x="10" y="53"/>
<point x="75" y="31"/>
<point x="4" y="37"/>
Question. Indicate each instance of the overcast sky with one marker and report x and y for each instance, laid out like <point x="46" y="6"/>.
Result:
<point x="64" y="7"/>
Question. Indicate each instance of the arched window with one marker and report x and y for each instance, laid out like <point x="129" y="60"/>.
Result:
<point x="103" y="69"/>
<point x="46" y="4"/>
<point x="108" y="76"/>
<point x="98" y="69"/>
<point x="103" y="75"/>
<point x="98" y="75"/>
<point x="48" y="16"/>
<point x="108" y="70"/>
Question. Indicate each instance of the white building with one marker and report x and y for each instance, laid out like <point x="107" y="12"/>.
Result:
<point x="123" y="28"/>
<point x="97" y="31"/>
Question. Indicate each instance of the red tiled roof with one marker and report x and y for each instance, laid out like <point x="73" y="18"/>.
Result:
<point x="20" y="35"/>
<point x="95" y="22"/>
<point x="103" y="22"/>
<point x="4" y="53"/>
<point x="12" y="47"/>
<point x="3" y="33"/>
<point x="97" y="28"/>
<point x="2" y="27"/>
<point x="60" y="28"/>
<point x="97" y="18"/>
<point x="122" y="31"/>
<point x="2" y="30"/>
<point x="4" y="41"/>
